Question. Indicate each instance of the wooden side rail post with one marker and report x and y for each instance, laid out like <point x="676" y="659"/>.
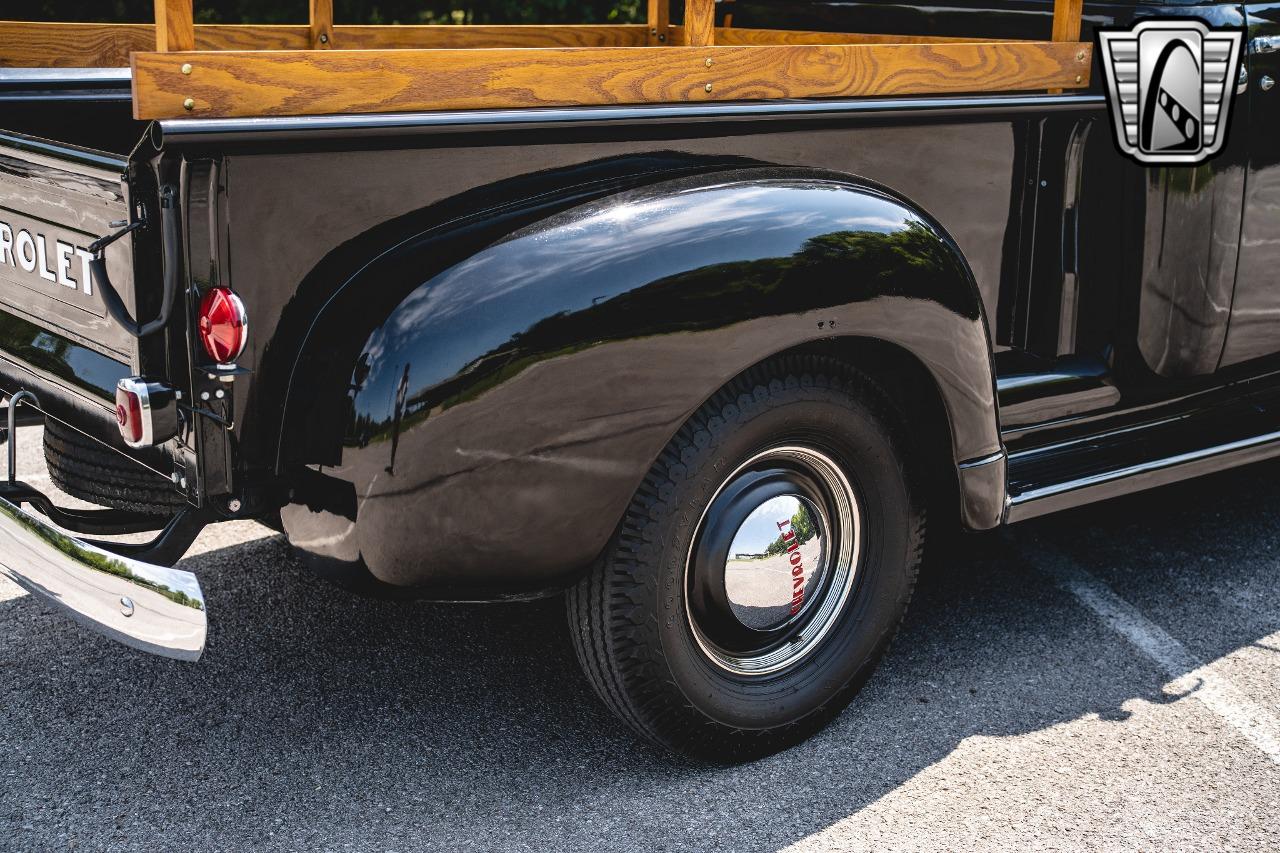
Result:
<point x="699" y="23"/>
<point x="659" y="21"/>
<point x="321" y="24"/>
<point x="1066" y="19"/>
<point x="175" y="26"/>
<point x="1066" y="25"/>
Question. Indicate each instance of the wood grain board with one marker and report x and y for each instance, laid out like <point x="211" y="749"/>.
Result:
<point x="59" y="45"/>
<point x="1066" y="19"/>
<point x="746" y="36"/>
<point x="699" y="23"/>
<point x="321" y="18"/>
<point x="658" y="19"/>
<point x="174" y="25"/>
<point x="280" y="83"/>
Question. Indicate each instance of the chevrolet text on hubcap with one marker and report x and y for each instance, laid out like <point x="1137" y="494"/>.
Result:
<point x="773" y="561"/>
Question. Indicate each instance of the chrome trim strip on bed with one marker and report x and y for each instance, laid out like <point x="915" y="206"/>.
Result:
<point x="65" y="76"/>
<point x="388" y="124"/>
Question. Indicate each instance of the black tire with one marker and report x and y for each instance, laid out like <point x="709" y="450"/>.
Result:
<point x="85" y="469"/>
<point x="630" y="617"/>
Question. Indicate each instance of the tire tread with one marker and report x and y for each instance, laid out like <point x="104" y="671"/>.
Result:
<point x="84" y="469"/>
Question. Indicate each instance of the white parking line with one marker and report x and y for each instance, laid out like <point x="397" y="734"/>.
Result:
<point x="1190" y="675"/>
<point x="10" y="590"/>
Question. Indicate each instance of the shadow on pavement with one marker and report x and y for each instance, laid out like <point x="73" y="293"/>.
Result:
<point x="321" y="720"/>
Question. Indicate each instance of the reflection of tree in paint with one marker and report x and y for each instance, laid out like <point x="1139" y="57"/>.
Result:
<point x="832" y="269"/>
<point x="402" y="392"/>
<point x="104" y="563"/>
<point x="803" y="528"/>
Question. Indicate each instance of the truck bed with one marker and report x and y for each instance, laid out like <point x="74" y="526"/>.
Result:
<point x="244" y="71"/>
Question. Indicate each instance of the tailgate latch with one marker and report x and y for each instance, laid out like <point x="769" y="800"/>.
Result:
<point x="97" y="247"/>
<point x="172" y="237"/>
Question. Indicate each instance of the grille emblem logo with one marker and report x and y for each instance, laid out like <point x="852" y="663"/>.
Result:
<point x="1170" y="83"/>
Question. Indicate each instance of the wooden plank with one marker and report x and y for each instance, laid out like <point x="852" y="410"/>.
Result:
<point x="175" y="26"/>
<point x="42" y="45"/>
<point x="659" y="21"/>
<point x="56" y="45"/>
<point x="59" y="45"/>
<point x="404" y="37"/>
<point x="747" y="36"/>
<point x="1066" y="19"/>
<point x="321" y="18"/>
<point x="230" y="84"/>
<point x="24" y="44"/>
<point x="699" y="22"/>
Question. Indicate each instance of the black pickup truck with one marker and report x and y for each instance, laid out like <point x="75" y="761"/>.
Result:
<point x="709" y="371"/>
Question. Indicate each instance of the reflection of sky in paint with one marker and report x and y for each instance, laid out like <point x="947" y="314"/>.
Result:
<point x="97" y="370"/>
<point x="494" y="294"/>
<point x="761" y="527"/>
<point x="90" y="367"/>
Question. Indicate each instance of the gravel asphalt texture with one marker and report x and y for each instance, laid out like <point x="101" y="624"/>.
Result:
<point x="1008" y="715"/>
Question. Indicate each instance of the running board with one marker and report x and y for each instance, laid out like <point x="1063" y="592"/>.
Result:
<point x="1082" y="471"/>
<point x="1147" y="475"/>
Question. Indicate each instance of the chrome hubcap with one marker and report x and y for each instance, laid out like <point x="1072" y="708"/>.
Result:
<point x="773" y="561"/>
<point x="776" y="562"/>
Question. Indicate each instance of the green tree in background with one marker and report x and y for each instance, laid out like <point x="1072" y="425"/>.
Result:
<point x="349" y="11"/>
<point x="802" y="524"/>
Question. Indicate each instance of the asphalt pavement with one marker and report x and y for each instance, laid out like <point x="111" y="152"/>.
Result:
<point x="1106" y="679"/>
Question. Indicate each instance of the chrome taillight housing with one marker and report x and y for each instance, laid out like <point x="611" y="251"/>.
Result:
<point x="146" y="412"/>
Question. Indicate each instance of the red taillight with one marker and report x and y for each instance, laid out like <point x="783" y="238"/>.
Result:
<point x="129" y="415"/>
<point x="146" y="411"/>
<point x="224" y="325"/>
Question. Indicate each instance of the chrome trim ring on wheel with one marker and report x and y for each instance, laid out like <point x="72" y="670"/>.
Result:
<point x="773" y="561"/>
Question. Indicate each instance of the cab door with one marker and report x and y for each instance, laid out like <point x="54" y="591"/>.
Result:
<point x="1254" y="333"/>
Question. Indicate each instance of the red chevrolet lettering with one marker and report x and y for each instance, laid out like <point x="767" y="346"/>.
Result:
<point x="797" y="565"/>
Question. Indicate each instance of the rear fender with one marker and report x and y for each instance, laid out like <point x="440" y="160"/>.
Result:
<point x="489" y="432"/>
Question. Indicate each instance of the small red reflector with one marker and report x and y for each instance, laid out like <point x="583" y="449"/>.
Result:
<point x="129" y="415"/>
<point x="223" y="325"/>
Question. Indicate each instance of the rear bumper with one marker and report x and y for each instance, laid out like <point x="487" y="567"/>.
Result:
<point x="153" y="608"/>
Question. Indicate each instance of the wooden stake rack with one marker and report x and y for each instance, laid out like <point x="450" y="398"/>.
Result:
<point x="184" y="70"/>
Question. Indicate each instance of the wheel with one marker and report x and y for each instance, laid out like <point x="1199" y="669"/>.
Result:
<point x="761" y="568"/>
<point x="84" y="469"/>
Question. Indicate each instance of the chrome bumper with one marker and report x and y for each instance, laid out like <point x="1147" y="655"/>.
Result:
<point x="152" y="608"/>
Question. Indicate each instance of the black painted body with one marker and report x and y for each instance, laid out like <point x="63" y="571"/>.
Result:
<point x="472" y="334"/>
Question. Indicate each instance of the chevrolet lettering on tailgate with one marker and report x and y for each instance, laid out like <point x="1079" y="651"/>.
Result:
<point x="35" y="259"/>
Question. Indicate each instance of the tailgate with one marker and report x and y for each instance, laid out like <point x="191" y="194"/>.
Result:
<point x="54" y="201"/>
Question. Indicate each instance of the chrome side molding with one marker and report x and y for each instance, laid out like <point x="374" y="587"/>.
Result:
<point x="1264" y="44"/>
